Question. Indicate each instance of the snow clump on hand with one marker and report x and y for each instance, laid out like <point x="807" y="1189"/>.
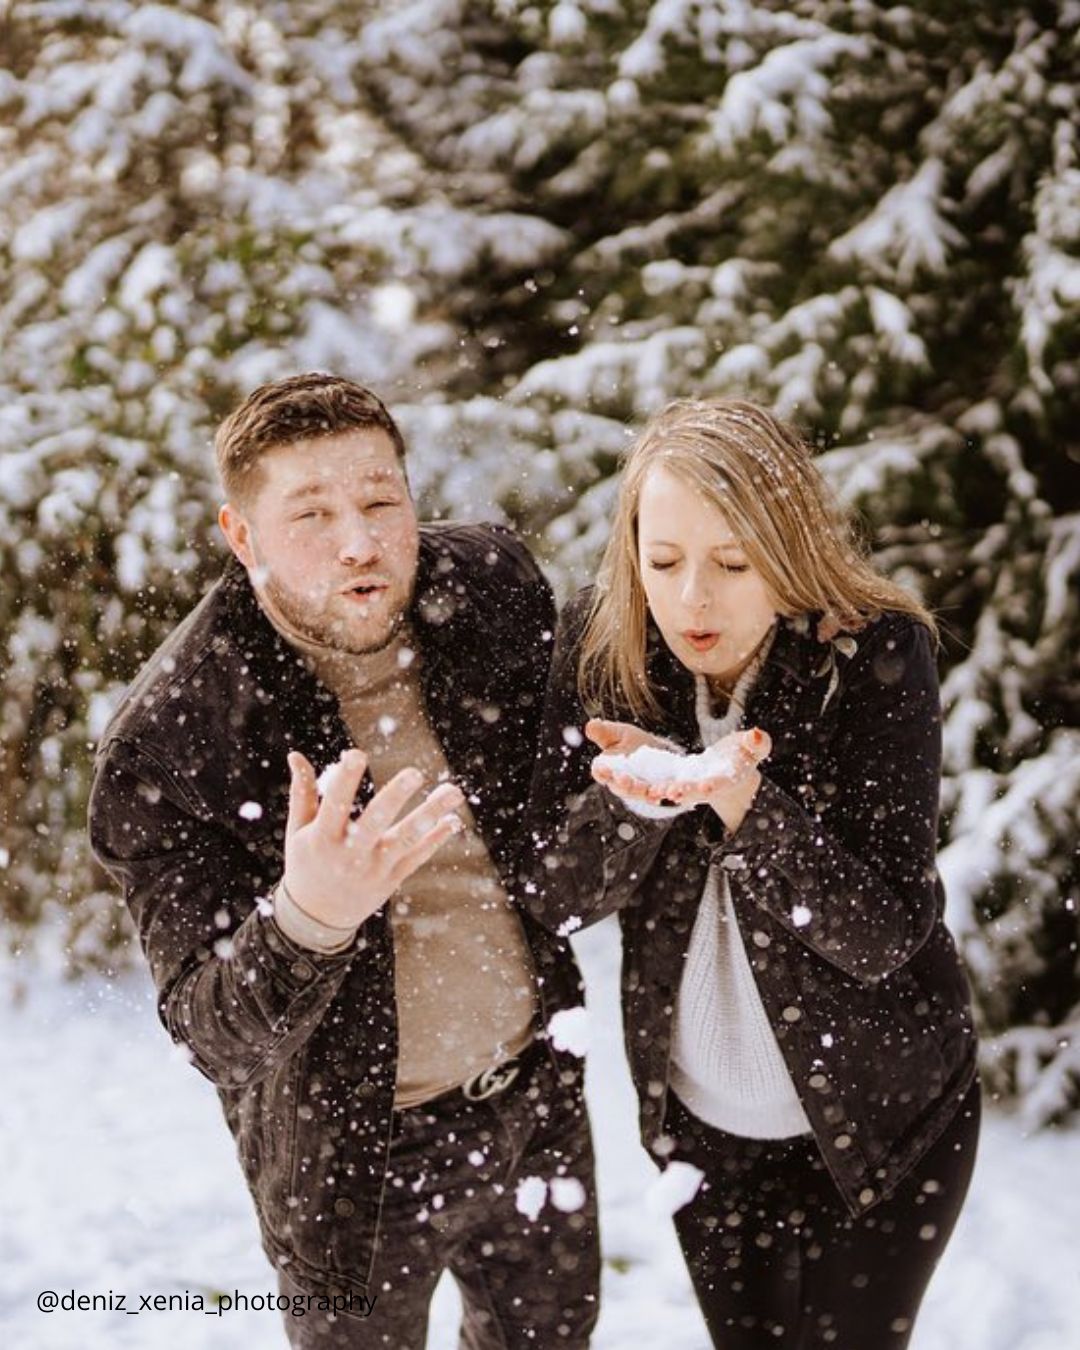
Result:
<point x="649" y="764"/>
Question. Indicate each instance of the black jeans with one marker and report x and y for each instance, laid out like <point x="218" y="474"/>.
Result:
<point x="778" y="1261"/>
<point x="450" y="1204"/>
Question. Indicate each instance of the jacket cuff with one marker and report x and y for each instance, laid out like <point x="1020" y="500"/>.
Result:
<point x="651" y="810"/>
<point x="305" y="930"/>
<point x="773" y="818"/>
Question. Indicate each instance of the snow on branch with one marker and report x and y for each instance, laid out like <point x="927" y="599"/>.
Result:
<point x="785" y="95"/>
<point x="907" y="231"/>
<point x="1047" y="294"/>
<point x="615" y="378"/>
<point x="206" y="60"/>
<point x="1039" y="1064"/>
<point x="1019" y="821"/>
<point x="712" y="32"/>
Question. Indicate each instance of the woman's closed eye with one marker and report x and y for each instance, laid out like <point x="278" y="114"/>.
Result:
<point x="656" y="566"/>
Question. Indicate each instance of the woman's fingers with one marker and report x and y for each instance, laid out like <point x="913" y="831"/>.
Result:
<point x="606" y="735"/>
<point x="759" y="743"/>
<point x="621" y="737"/>
<point x="747" y="751"/>
<point x="623" y="783"/>
<point x="628" y="786"/>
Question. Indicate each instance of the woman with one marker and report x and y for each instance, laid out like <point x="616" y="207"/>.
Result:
<point x="796" y="1017"/>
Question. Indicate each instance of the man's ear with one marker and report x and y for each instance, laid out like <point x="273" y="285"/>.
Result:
<point x="238" y="533"/>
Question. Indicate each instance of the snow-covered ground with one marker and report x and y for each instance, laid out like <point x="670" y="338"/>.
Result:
<point x="118" y="1175"/>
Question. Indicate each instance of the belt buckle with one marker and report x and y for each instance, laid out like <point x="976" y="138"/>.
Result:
<point x="491" y="1081"/>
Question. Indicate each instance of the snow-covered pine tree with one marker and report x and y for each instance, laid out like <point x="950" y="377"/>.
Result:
<point x="532" y="223"/>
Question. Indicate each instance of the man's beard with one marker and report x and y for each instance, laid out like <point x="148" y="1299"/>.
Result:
<point x="322" y="631"/>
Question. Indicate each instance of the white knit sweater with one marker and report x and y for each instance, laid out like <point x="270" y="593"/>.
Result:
<point x="725" y="1063"/>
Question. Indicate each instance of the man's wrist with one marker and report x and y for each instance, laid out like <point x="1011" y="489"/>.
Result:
<point x="304" y="928"/>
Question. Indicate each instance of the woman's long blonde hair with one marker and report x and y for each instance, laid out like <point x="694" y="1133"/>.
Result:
<point x="760" y="473"/>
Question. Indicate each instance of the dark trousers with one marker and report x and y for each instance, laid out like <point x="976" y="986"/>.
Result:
<point x="778" y="1261"/>
<point x="451" y="1204"/>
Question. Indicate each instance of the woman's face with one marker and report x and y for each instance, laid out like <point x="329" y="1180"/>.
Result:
<point x="711" y="606"/>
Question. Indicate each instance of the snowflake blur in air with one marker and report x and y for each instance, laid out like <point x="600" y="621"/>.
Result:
<point x="569" y="1030"/>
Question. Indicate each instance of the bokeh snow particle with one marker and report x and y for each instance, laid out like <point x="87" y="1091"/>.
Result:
<point x="567" y="1194"/>
<point x="675" y="1187"/>
<point x="530" y="1196"/>
<point x="569" y="1030"/>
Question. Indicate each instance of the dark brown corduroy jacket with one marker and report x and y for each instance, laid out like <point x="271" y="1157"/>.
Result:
<point x="188" y="812"/>
<point x="832" y="878"/>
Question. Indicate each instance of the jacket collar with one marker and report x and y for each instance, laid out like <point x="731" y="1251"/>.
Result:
<point x="788" y="692"/>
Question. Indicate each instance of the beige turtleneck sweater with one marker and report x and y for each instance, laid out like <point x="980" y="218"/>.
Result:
<point x="464" y="979"/>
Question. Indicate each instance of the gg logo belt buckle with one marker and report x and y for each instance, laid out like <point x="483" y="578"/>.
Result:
<point x="490" y="1081"/>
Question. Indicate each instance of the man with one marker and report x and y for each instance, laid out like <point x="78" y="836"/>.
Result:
<point x="351" y="972"/>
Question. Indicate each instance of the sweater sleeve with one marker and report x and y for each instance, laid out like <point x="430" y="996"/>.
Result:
<point x="854" y="878"/>
<point x="304" y="929"/>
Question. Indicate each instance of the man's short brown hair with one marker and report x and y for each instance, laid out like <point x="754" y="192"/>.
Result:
<point x="300" y="408"/>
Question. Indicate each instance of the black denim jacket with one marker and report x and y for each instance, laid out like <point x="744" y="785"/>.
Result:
<point x="302" y="1046"/>
<point x="832" y="876"/>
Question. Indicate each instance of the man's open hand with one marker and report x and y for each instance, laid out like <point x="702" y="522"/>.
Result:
<point x="340" y="870"/>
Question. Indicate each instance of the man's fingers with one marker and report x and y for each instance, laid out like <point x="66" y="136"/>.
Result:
<point x="410" y="829"/>
<point x="342" y="781"/>
<point x="303" y="794"/>
<point x="414" y="858"/>
<point x="388" y="803"/>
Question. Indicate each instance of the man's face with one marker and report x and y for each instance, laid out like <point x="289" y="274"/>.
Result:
<point x="330" y="538"/>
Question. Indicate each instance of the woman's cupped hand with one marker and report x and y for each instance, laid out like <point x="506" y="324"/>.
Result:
<point x="725" y="776"/>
